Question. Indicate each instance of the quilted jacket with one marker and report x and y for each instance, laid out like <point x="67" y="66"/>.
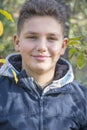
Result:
<point x="61" y="105"/>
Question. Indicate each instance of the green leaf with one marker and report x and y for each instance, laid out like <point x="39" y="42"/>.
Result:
<point x="81" y="60"/>
<point x="7" y="15"/>
<point x="72" y="52"/>
<point x="76" y="38"/>
<point x="2" y="47"/>
<point x="73" y="42"/>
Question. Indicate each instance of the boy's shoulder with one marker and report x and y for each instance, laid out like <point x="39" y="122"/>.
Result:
<point x="78" y="85"/>
<point x="2" y="80"/>
<point x="78" y="90"/>
<point x="5" y="82"/>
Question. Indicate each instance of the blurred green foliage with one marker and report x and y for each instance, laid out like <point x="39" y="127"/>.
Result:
<point x="77" y="35"/>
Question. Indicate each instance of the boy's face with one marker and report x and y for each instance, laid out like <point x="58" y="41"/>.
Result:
<point x="40" y="43"/>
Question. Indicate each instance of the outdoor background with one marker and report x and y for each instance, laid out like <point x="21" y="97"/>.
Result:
<point x="77" y="34"/>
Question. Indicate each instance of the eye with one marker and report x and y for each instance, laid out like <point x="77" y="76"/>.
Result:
<point x="52" y="38"/>
<point x="32" y="37"/>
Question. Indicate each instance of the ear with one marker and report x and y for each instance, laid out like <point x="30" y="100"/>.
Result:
<point x="64" y="46"/>
<point x="16" y="43"/>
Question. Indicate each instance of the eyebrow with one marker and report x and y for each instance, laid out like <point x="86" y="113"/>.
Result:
<point x="54" y="34"/>
<point x="36" y="33"/>
<point x="31" y="33"/>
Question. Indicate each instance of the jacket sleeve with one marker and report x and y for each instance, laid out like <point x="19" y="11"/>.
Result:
<point x="85" y="127"/>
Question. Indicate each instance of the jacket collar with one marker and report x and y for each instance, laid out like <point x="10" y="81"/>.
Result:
<point x="63" y="72"/>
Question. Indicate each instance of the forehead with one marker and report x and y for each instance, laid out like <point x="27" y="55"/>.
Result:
<point x="42" y="24"/>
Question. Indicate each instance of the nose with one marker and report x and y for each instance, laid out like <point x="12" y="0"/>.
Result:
<point x="42" y="45"/>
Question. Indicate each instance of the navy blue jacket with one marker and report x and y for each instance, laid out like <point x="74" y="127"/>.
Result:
<point x="61" y="105"/>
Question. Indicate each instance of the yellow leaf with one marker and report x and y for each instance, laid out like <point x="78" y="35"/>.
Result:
<point x="7" y="15"/>
<point x="2" y="61"/>
<point x="1" y="28"/>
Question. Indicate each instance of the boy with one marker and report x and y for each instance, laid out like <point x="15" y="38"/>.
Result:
<point x="37" y="87"/>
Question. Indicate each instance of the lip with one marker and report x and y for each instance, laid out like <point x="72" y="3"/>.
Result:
<point x="41" y="57"/>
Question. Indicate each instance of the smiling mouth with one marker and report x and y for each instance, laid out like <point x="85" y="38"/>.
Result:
<point x="41" y="57"/>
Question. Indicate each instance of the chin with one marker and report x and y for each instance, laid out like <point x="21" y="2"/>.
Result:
<point x="40" y="70"/>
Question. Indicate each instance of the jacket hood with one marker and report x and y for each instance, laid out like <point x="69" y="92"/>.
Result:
<point x="63" y="72"/>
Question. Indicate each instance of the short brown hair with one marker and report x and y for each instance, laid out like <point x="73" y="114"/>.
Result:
<point x="42" y="8"/>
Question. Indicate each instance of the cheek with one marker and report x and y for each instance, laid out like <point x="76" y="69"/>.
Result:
<point x="55" y="50"/>
<point x="56" y="53"/>
<point x="25" y="47"/>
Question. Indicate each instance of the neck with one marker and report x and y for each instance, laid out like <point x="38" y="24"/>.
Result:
<point x="42" y="78"/>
